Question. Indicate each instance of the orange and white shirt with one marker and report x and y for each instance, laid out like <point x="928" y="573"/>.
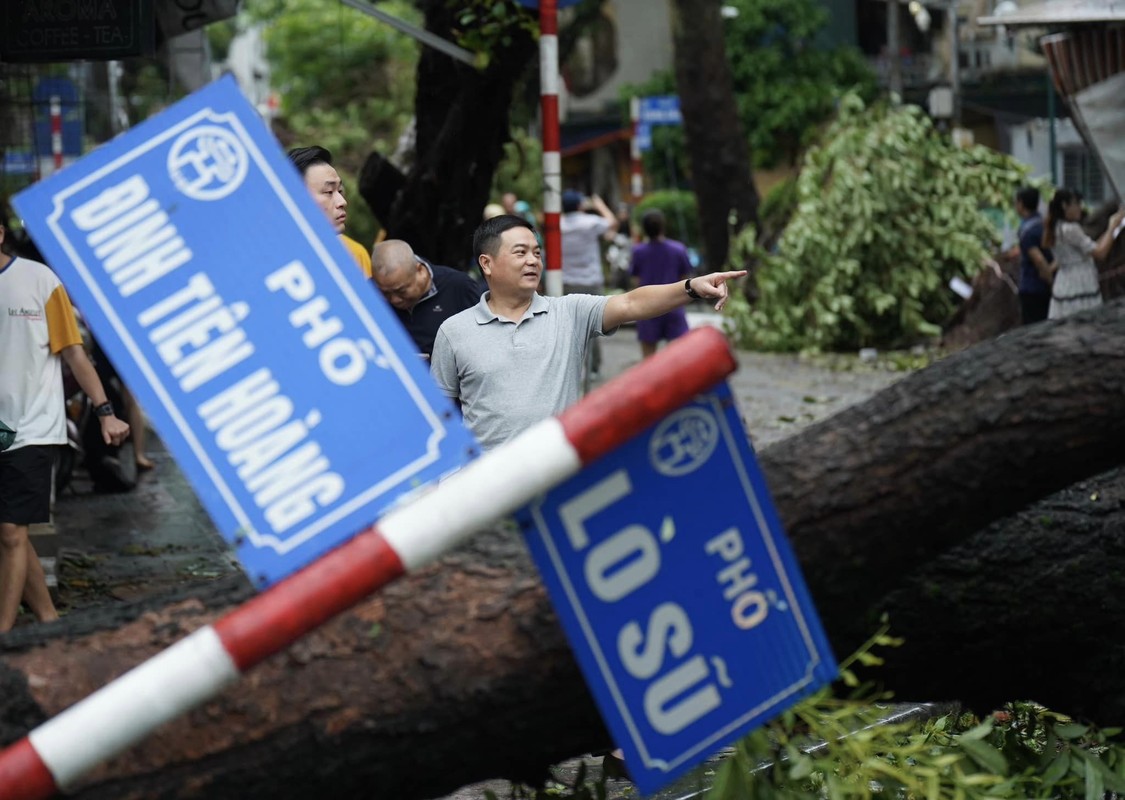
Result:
<point x="36" y="323"/>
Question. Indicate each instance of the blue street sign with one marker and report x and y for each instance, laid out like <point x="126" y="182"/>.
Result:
<point x="644" y="137"/>
<point x="18" y="162"/>
<point x="661" y="110"/>
<point x="70" y="110"/>
<point x="275" y="373"/>
<point x="668" y="568"/>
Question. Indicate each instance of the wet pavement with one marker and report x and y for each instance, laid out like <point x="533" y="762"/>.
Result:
<point x="117" y="548"/>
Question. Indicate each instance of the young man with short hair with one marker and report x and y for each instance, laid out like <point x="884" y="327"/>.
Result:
<point x="1035" y="270"/>
<point x="327" y="189"/>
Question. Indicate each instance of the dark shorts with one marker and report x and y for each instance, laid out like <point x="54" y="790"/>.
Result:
<point x="667" y="326"/>
<point x="25" y="484"/>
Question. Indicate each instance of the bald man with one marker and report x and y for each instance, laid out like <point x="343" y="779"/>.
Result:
<point x="423" y="295"/>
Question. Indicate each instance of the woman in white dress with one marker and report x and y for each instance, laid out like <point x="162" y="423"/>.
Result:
<point x="1075" y="284"/>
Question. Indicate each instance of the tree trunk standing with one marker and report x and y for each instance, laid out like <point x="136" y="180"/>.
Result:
<point x="718" y="149"/>
<point x="460" y="673"/>
<point x="462" y="123"/>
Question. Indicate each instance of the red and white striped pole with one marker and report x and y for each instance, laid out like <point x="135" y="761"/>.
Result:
<point x="54" y="756"/>
<point x="637" y="183"/>
<point x="56" y="131"/>
<point x="552" y="157"/>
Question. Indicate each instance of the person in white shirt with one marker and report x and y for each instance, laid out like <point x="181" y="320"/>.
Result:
<point x="38" y="329"/>
<point x="581" y="234"/>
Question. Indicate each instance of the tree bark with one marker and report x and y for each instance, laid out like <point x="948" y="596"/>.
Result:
<point x="461" y="125"/>
<point x="718" y="149"/>
<point x="460" y="672"/>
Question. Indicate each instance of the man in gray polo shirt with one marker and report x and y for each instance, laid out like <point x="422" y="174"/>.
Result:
<point x="516" y="357"/>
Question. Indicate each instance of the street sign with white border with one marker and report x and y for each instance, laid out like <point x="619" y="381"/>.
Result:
<point x="682" y="600"/>
<point x="661" y="110"/>
<point x="275" y="373"/>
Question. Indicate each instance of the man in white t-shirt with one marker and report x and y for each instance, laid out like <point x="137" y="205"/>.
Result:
<point x="38" y="332"/>
<point x="581" y="234"/>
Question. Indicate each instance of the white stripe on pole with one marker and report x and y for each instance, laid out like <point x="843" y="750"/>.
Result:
<point x="158" y="691"/>
<point x="548" y="64"/>
<point x="497" y="483"/>
<point x="554" y="282"/>
<point x="552" y="182"/>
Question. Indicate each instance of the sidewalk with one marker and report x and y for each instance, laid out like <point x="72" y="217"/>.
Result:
<point x="115" y="548"/>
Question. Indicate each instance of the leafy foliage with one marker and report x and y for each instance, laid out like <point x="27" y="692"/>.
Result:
<point x="838" y="748"/>
<point x="346" y="83"/>
<point x="487" y="24"/>
<point x="839" y="745"/>
<point x="785" y="81"/>
<point x="521" y="169"/>
<point x="888" y="211"/>
<point x="340" y="70"/>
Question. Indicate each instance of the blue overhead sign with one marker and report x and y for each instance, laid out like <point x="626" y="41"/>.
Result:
<point x="71" y="125"/>
<point x="661" y="110"/>
<point x="275" y="373"/>
<point x="679" y="593"/>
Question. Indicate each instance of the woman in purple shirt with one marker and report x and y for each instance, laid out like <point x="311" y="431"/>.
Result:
<point x="657" y="261"/>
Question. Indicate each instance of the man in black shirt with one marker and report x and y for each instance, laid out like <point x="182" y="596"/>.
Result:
<point x="423" y="295"/>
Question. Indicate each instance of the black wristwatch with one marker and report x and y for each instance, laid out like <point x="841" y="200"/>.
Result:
<point x="104" y="410"/>
<point x="694" y="295"/>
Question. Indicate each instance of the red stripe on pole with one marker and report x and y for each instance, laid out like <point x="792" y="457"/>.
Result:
<point x="56" y="131"/>
<point x="273" y="620"/>
<point x="548" y="17"/>
<point x="23" y="774"/>
<point x="549" y="104"/>
<point x="614" y="413"/>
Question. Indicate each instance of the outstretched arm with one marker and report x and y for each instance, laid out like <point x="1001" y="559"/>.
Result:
<point x="652" y="301"/>
<point x="1105" y="242"/>
<point x="114" y="431"/>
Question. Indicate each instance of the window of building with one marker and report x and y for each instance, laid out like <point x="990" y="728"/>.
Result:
<point x="1081" y="170"/>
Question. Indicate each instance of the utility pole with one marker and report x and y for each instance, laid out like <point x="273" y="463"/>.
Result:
<point x="894" y="50"/>
<point x="955" y="62"/>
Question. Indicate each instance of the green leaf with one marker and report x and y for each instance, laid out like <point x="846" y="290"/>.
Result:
<point x="1056" y="770"/>
<point x="985" y="755"/>
<point x="1071" y="730"/>
<point x="1095" y="786"/>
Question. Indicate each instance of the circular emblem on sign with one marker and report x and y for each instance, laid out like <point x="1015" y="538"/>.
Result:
<point x="683" y="442"/>
<point x="208" y="163"/>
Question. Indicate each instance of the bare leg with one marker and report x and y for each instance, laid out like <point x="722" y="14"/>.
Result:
<point x="35" y="591"/>
<point x="136" y="420"/>
<point x="648" y="349"/>
<point x="14" y="547"/>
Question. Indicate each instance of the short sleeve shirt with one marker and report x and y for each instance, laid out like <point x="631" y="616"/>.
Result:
<point x="1031" y="235"/>
<point x="660" y="261"/>
<point x="36" y="324"/>
<point x="580" y="234"/>
<point x="509" y="375"/>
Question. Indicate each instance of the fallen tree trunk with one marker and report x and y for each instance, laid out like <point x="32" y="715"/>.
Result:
<point x="460" y="672"/>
